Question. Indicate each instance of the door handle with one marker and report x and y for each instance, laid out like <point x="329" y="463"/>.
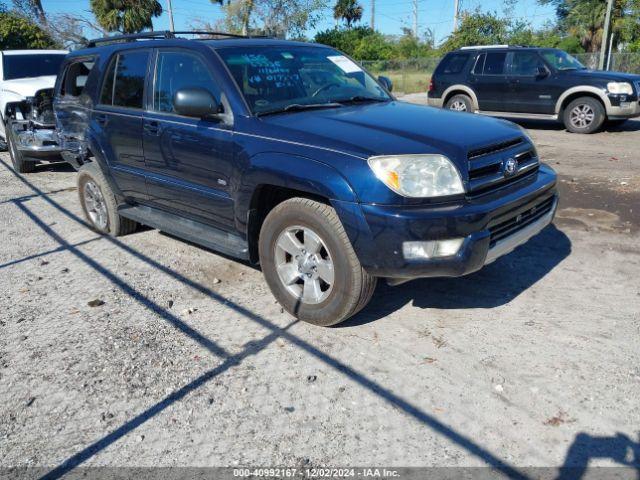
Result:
<point x="152" y="127"/>
<point x="101" y="119"/>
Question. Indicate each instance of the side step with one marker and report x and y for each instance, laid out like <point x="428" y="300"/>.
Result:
<point x="196" y="232"/>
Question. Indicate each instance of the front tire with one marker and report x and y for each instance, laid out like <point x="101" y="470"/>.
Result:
<point x="99" y="202"/>
<point x="459" y="103"/>
<point x="584" y="115"/>
<point x="20" y="163"/>
<point x="310" y="265"/>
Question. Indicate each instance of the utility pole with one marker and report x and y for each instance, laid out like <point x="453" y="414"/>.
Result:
<point x="605" y="36"/>
<point x="415" y="18"/>
<point x="170" y="12"/>
<point x="373" y="14"/>
<point x="456" y="11"/>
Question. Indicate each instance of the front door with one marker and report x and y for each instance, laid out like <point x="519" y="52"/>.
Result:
<point x="530" y="89"/>
<point x="189" y="161"/>
<point x="489" y="81"/>
<point x="118" y="120"/>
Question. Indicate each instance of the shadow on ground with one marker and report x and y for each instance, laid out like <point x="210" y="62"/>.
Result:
<point x="495" y="285"/>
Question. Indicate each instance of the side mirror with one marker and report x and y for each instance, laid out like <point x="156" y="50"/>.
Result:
<point x="386" y="82"/>
<point x="542" y="72"/>
<point x="195" y="102"/>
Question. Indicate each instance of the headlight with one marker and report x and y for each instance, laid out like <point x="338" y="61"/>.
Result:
<point x="418" y="175"/>
<point x="620" y="87"/>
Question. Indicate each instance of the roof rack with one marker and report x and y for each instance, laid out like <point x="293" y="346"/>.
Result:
<point x="474" y="47"/>
<point x="164" y="34"/>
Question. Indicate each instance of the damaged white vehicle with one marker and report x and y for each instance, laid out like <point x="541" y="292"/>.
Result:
<point x="27" y="129"/>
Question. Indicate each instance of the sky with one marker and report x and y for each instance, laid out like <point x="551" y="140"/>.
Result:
<point x="391" y="15"/>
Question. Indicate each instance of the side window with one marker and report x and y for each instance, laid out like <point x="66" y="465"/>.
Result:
<point x="106" y="95"/>
<point x="131" y="71"/>
<point x="479" y="65"/>
<point x="494" y="63"/>
<point x="75" y="78"/>
<point x="454" y="63"/>
<point x="525" y="63"/>
<point x="176" y="70"/>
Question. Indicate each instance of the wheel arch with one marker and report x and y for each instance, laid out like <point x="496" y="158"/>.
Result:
<point x="582" y="91"/>
<point x="460" y="89"/>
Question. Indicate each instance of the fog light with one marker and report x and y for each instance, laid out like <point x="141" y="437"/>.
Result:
<point x="431" y="249"/>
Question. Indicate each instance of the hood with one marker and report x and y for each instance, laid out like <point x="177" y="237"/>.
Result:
<point x="604" y="75"/>
<point x="391" y="128"/>
<point x="27" y="87"/>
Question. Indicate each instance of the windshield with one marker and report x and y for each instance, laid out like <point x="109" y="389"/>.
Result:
<point x="34" y="65"/>
<point x="561" y="60"/>
<point x="276" y="79"/>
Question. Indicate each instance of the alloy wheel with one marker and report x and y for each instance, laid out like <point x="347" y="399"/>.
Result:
<point x="458" y="106"/>
<point x="95" y="204"/>
<point x="582" y="116"/>
<point x="304" y="264"/>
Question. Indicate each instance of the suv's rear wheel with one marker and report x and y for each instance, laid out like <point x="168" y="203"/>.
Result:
<point x="310" y="265"/>
<point x="459" y="103"/>
<point x="583" y="115"/>
<point x="20" y="163"/>
<point x="99" y="202"/>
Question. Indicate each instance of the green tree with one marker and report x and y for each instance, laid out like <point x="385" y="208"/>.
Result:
<point x="126" y="16"/>
<point x="237" y="14"/>
<point x="478" y="28"/>
<point x="18" y="32"/>
<point x="348" y="10"/>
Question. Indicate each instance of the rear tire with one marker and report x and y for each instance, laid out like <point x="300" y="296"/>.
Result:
<point x="583" y="115"/>
<point x="310" y="265"/>
<point x="99" y="203"/>
<point x="459" y="103"/>
<point x="20" y="163"/>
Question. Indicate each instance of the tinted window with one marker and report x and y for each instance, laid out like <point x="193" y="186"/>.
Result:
<point x="106" y="96"/>
<point x="494" y="63"/>
<point x="453" y="63"/>
<point x="131" y="70"/>
<point x="36" y="65"/>
<point x="75" y="78"/>
<point x="526" y="63"/>
<point x="177" y="70"/>
<point x="479" y="65"/>
<point x="562" y="60"/>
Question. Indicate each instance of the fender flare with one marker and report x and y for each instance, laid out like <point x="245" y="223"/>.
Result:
<point x="583" y="89"/>
<point x="465" y="89"/>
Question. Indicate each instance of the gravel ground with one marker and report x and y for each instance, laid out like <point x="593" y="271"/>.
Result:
<point x="149" y="351"/>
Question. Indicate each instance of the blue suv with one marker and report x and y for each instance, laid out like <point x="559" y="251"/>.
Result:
<point x="291" y="156"/>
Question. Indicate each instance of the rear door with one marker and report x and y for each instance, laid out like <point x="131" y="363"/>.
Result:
<point x="189" y="161"/>
<point x="118" y="120"/>
<point x="529" y="90"/>
<point x="489" y="80"/>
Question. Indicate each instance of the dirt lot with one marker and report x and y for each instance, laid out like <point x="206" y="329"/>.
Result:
<point x="186" y="359"/>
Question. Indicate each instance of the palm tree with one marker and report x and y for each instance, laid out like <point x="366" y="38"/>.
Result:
<point x="348" y="10"/>
<point x="126" y="16"/>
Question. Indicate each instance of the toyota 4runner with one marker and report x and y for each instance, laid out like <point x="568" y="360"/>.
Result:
<point x="292" y="156"/>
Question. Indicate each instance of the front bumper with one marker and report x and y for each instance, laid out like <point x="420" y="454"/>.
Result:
<point x="36" y="142"/>
<point x="491" y="226"/>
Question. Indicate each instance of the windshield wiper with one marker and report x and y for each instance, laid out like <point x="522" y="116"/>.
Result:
<point x="363" y="99"/>
<point x="297" y="107"/>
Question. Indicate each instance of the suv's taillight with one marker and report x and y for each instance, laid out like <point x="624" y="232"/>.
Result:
<point x="432" y="87"/>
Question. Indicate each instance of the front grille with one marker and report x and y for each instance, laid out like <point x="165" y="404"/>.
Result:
<point x="486" y="165"/>
<point x="517" y="222"/>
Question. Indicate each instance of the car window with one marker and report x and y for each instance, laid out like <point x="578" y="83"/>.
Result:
<point x="75" y="78"/>
<point x="479" y="65"/>
<point x="453" y="63"/>
<point x="106" y="95"/>
<point x="131" y="70"/>
<point x="494" y="63"/>
<point x="31" y="65"/>
<point x="562" y="60"/>
<point x="177" y="70"/>
<point x="274" y="78"/>
<point x="526" y="63"/>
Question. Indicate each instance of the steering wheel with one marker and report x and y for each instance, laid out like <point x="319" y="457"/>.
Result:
<point x="323" y="88"/>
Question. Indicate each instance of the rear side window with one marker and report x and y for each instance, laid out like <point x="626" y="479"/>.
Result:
<point x="453" y="64"/>
<point x="126" y="87"/>
<point x="75" y="78"/>
<point x="494" y="63"/>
